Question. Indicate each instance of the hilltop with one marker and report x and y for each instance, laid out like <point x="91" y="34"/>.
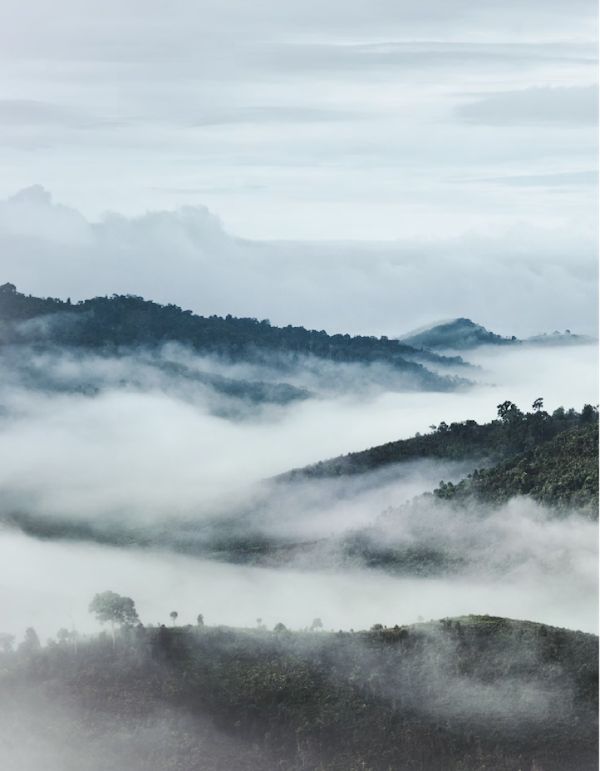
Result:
<point x="470" y="693"/>
<point x="458" y="334"/>
<point x="463" y="334"/>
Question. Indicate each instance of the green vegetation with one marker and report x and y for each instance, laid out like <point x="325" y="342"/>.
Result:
<point x="467" y="694"/>
<point x="125" y="321"/>
<point x="553" y="459"/>
<point x="463" y="334"/>
<point x="514" y="432"/>
<point x="562" y="473"/>
<point x="458" y="334"/>
<point x="109" y="607"/>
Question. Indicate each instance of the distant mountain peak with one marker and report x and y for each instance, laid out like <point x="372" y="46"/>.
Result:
<point x="459" y="334"/>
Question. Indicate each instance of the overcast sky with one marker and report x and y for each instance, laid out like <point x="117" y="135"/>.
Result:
<point x="437" y="124"/>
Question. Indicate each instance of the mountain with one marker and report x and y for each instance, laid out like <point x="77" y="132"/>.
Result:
<point x="558" y="338"/>
<point x="126" y="322"/>
<point x="547" y="459"/>
<point x="512" y="433"/>
<point x="561" y="472"/>
<point x="469" y="693"/>
<point x="457" y="334"/>
<point x="463" y="334"/>
<point x="90" y="373"/>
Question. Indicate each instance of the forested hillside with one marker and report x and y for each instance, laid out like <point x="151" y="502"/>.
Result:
<point x="466" y="694"/>
<point x="548" y="459"/>
<point x="512" y="433"/>
<point x="561" y="472"/>
<point x="125" y="321"/>
<point x="463" y="334"/>
<point x="458" y="334"/>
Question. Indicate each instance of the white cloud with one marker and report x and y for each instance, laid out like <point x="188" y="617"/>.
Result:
<point x="537" y="106"/>
<point x="521" y="281"/>
<point x="296" y="120"/>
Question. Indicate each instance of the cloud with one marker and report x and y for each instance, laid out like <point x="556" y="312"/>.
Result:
<point x="33" y="113"/>
<point x="421" y="58"/>
<point x="535" y="106"/>
<point x="517" y="282"/>
<point x="558" y="180"/>
<point x="297" y="120"/>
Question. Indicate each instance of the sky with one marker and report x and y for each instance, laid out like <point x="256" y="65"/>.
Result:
<point x="347" y="165"/>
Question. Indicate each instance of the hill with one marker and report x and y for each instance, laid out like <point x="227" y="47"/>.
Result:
<point x="117" y="322"/>
<point x="466" y="527"/>
<point x="512" y="433"/>
<point x="548" y="459"/>
<point x="463" y="334"/>
<point x="470" y="693"/>
<point x="561" y="472"/>
<point x="457" y="334"/>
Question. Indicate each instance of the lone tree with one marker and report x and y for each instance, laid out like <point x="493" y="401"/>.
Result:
<point x="111" y="608"/>
<point x="200" y="619"/>
<point x="316" y="624"/>
<point x="508" y="412"/>
<point x="31" y="642"/>
<point x="173" y="615"/>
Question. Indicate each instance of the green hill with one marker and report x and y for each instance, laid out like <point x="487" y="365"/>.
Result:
<point x="561" y="472"/>
<point x="126" y="321"/>
<point x="458" y="334"/>
<point x="514" y="432"/>
<point x="463" y="334"/>
<point x="468" y="694"/>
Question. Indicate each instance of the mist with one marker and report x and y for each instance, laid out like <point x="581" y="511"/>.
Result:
<point x="157" y="460"/>
<point x="513" y="278"/>
<point x="159" y="449"/>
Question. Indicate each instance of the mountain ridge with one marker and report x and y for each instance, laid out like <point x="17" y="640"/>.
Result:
<point x="111" y="323"/>
<point x="463" y="334"/>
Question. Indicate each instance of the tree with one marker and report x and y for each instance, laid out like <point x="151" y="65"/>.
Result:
<point x="538" y="404"/>
<point x="31" y="642"/>
<point x="6" y="642"/>
<point x="63" y="635"/>
<point x="111" y="608"/>
<point x="173" y="615"/>
<point x="589" y="413"/>
<point x="200" y="619"/>
<point x="509" y="412"/>
<point x="280" y="627"/>
<point x="316" y="624"/>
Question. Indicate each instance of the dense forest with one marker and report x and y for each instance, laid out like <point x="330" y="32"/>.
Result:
<point x="513" y="432"/>
<point x="464" y="694"/>
<point x="127" y="321"/>
<point x="561" y="472"/>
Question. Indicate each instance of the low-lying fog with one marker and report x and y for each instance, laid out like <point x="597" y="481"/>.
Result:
<point x="144" y="453"/>
<point x="49" y="585"/>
